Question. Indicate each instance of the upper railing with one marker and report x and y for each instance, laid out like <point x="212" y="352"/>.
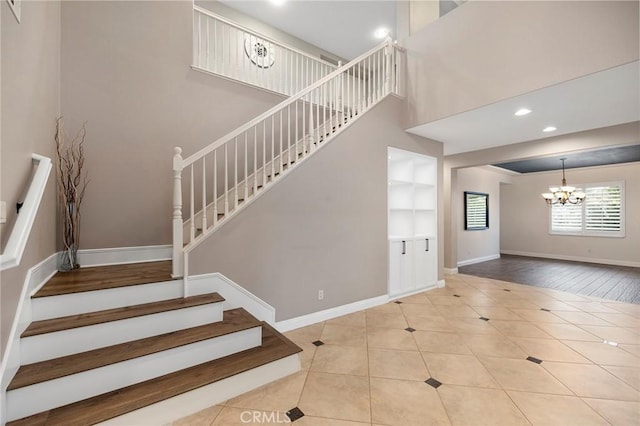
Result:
<point x="17" y="242"/>
<point x="223" y="47"/>
<point x="224" y="177"/>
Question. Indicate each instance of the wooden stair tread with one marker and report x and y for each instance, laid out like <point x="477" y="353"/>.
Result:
<point x="92" y="318"/>
<point x="234" y="320"/>
<point x="103" y="277"/>
<point x="103" y="407"/>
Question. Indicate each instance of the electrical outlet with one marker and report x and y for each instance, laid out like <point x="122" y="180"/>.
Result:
<point x="320" y="294"/>
<point x="3" y="212"/>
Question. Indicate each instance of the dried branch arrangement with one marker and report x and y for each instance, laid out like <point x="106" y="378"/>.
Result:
<point x="72" y="183"/>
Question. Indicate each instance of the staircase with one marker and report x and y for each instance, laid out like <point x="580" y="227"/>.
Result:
<point x="106" y="341"/>
<point x="220" y="180"/>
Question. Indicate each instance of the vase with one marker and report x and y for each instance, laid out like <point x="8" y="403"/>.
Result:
<point x="69" y="259"/>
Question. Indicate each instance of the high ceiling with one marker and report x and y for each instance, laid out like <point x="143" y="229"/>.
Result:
<point x="344" y="28"/>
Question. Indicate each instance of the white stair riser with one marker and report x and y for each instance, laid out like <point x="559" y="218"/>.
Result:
<point x="172" y="409"/>
<point x="66" y="342"/>
<point x="43" y="308"/>
<point x="33" y="399"/>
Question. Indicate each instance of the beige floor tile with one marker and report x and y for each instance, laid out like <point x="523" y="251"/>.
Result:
<point x="456" y="369"/>
<point x="603" y="354"/>
<point x="516" y="303"/>
<point x="548" y="410"/>
<point x="625" y="308"/>
<point x="473" y="406"/>
<point x="591" y="381"/>
<point x="567" y="332"/>
<point x="201" y="418"/>
<point x="433" y="323"/>
<point x="473" y="325"/>
<point x="420" y="298"/>
<point x="411" y="310"/>
<point x="393" y="364"/>
<point x="319" y="421"/>
<point x="434" y="341"/>
<point x="630" y="375"/>
<point x="445" y="300"/>
<point x="556" y="305"/>
<point x="593" y="307"/>
<point x="341" y="360"/>
<point x="549" y="350"/>
<point x="391" y="338"/>
<point x="523" y="375"/>
<point x="582" y="318"/>
<point x="336" y="396"/>
<point x="618" y="413"/>
<point x="308" y="352"/>
<point x="280" y="395"/>
<point x="344" y="335"/>
<point x="479" y="299"/>
<point x="457" y="312"/>
<point x="387" y="308"/>
<point x="492" y="345"/>
<point x="621" y="320"/>
<point x="519" y="329"/>
<point x="381" y="319"/>
<point x="632" y="349"/>
<point x="614" y="334"/>
<point x="406" y="403"/>
<point x="537" y="316"/>
<point x="567" y="297"/>
<point x="356" y="319"/>
<point x="306" y="334"/>
<point x="497" y="313"/>
<point x="230" y="416"/>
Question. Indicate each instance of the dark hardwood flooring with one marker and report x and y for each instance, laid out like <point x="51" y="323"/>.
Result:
<point x="621" y="283"/>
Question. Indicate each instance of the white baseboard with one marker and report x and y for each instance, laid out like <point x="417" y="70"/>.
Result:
<point x="573" y="258"/>
<point x="327" y="314"/>
<point x="123" y="255"/>
<point x="478" y="260"/>
<point x="235" y="295"/>
<point x="35" y="278"/>
<point x="450" y="271"/>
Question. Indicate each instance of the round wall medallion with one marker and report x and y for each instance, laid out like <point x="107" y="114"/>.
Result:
<point x="259" y="51"/>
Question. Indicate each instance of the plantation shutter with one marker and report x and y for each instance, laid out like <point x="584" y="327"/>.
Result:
<point x="566" y="218"/>
<point x="603" y="208"/>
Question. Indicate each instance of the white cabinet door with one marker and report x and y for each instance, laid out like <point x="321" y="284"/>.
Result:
<point x="426" y="262"/>
<point x="400" y="266"/>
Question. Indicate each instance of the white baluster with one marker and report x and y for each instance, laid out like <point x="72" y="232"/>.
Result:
<point x="311" y="126"/>
<point x="281" y="132"/>
<point x="178" y="239"/>
<point x="204" y="195"/>
<point x="215" y="187"/>
<point x="207" y="66"/>
<point x="226" y="180"/>
<point x="235" y="175"/>
<point x="192" y="233"/>
<point x="388" y="50"/>
<point x="264" y="153"/>
<point x="288" y="135"/>
<point x="273" y="155"/>
<point x="246" y="182"/>
<point x="255" y="159"/>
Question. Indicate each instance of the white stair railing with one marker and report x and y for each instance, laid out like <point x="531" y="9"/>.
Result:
<point x="224" y="177"/>
<point x="225" y="48"/>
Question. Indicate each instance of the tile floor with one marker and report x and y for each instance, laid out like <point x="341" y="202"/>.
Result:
<point x="538" y="358"/>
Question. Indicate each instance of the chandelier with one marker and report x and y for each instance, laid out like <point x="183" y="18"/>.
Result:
<point x="564" y="194"/>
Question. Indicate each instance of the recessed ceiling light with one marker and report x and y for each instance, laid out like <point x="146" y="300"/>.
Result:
<point x="549" y="129"/>
<point x="522" y="111"/>
<point x="381" y="33"/>
<point x="277" y="2"/>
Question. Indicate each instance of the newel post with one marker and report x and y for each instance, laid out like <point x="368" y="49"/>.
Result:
<point x="388" y="50"/>
<point x="178" y="256"/>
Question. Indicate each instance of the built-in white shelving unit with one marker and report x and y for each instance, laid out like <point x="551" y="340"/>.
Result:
<point x="413" y="223"/>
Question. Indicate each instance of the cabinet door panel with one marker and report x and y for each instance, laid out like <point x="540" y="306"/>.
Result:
<point x="426" y="266"/>
<point x="400" y="266"/>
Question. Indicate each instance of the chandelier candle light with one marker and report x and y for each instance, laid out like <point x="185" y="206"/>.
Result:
<point x="564" y="194"/>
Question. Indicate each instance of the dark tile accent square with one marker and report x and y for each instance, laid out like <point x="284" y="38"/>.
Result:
<point x="398" y="302"/>
<point x="456" y="295"/>
<point x="410" y="330"/>
<point x="318" y="343"/>
<point x="532" y="359"/>
<point x="295" y="413"/>
<point x="545" y="309"/>
<point x="506" y="289"/>
<point x="433" y="382"/>
<point x="484" y="319"/>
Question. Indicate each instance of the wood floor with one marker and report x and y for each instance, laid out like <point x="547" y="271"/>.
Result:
<point x="612" y="282"/>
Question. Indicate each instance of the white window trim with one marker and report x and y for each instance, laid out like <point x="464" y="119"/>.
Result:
<point x="584" y="233"/>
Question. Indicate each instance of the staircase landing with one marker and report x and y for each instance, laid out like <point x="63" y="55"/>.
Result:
<point x="103" y="277"/>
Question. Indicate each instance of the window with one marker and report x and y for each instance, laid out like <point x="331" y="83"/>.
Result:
<point x="476" y="211"/>
<point x="601" y="213"/>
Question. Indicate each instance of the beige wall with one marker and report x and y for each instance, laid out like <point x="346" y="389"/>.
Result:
<point x="126" y="71"/>
<point x="475" y="245"/>
<point x="322" y="227"/>
<point x="525" y="216"/>
<point x="30" y="105"/>
<point x="486" y="51"/>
